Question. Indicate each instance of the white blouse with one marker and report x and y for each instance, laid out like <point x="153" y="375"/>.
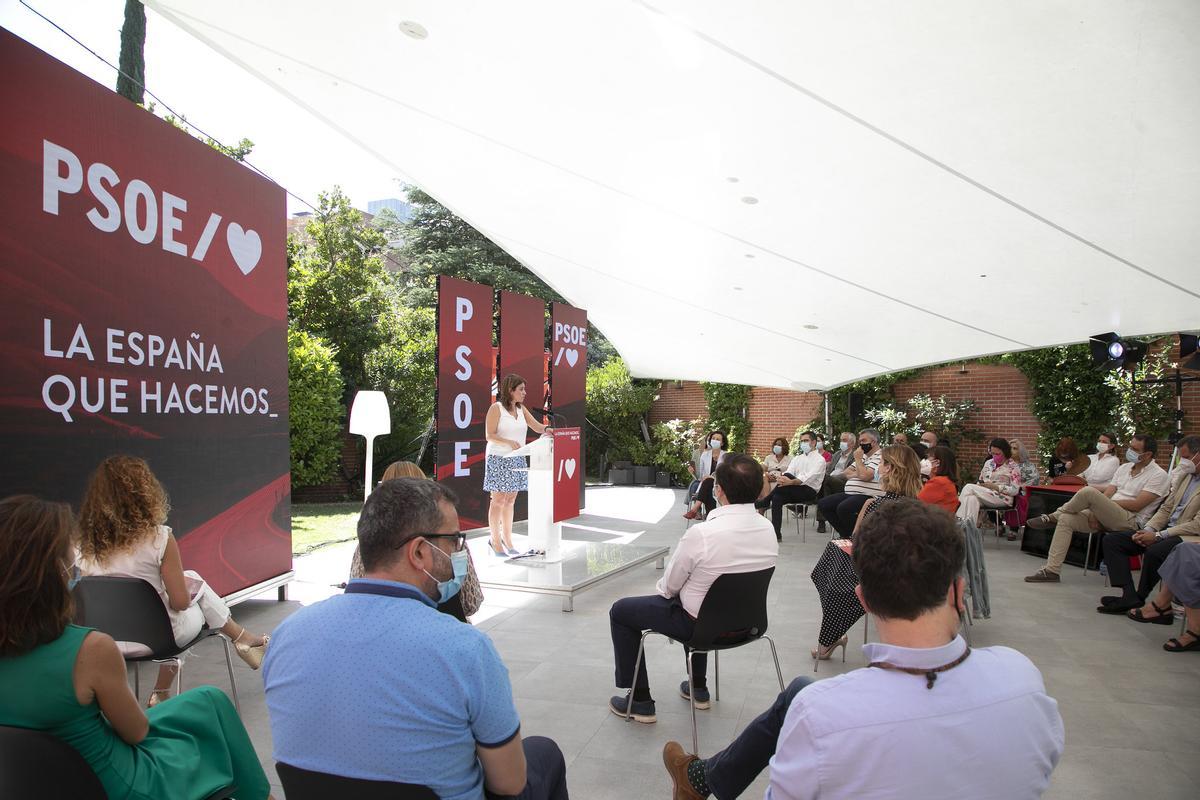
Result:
<point x="510" y="427"/>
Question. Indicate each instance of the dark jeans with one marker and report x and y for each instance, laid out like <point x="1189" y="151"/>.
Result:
<point x="785" y="495"/>
<point x="1119" y="546"/>
<point x="545" y="771"/>
<point x="630" y="616"/>
<point x="832" y="485"/>
<point x="705" y="495"/>
<point x="841" y="510"/>
<point x="732" y="770"/>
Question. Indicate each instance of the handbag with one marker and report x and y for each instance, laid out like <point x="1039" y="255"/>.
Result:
<point x="471" y="592"/>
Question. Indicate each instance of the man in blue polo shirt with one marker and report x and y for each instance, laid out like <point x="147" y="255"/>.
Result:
<point x="377" y="684"/>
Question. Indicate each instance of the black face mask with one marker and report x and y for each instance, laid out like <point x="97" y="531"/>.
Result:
<point x="866" y="448"/>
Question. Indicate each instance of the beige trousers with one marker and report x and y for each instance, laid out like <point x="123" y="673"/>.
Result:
<point x="1076" y="515"/>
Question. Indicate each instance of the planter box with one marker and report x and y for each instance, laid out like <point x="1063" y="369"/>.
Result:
<point x="663" y="480"/>
<point x="643" y="475"/>
<point x="620" y="477"/>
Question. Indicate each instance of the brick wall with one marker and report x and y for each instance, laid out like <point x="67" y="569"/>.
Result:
<point x="778" y="412"/>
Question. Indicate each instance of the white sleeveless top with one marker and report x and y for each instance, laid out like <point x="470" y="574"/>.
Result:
<point x="516" y="429"/>
<point x="143" y="561"/>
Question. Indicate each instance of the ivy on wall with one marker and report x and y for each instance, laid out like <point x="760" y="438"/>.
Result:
<point x="727" y="405"/>
<point x="875" y="391"/>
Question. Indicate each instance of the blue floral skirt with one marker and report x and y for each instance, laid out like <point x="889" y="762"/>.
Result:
<point x="505" y="474"/>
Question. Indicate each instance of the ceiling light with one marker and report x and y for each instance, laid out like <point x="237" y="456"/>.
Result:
<point x="748" y="200"/>
<point x="810" y="327"/>
<point x="1110" y="351"/>
<point x="732" y="179"/>
<point x="749" y="255"/>
<point x="737" y="288"/>
<point x="413" y="30"/>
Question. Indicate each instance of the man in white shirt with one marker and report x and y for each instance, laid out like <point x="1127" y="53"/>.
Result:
<point x="862" y="483"/>
<point x="1126" y="504"/>
<point x="807" y="471"/>
<point x="733" y="539"/>
<point x="1177" y="520"/>
<point x="929" y="718"/>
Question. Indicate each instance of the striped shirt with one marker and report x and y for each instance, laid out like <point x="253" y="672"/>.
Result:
<point x="871" y="487"/>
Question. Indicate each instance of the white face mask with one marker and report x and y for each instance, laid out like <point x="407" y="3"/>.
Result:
<point x="777" y="450"/>
<point x="715" y="444"/>
<point x="843" y="446"/>
<point x="1101" y="448"/>
<point x="1186" y="466"/>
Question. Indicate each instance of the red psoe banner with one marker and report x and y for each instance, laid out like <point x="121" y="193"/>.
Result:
<point x="568" y="473"/>
<point x="464" y="394"/>
<point x="143" y="311"/>
<point x="523" y="344"/>
<point x="568" y="369"/>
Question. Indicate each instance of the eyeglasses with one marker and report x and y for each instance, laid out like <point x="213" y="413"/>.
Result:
<point x="460" y="539"/>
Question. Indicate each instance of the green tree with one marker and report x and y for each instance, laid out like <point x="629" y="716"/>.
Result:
<point x="617" y="406"/>
<point x="1069" y="397"/>
<point x="405" y="369"/>
<point x="315" y="414"/>
<point x="338" y="288"/>
<point x="131" y="78"/>
<point x="727" y="410"/>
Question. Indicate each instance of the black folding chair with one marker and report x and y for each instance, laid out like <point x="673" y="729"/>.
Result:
<point x="36" y="764"/>
<point x="130" y="610"/>
<point x="304" y="784"/>
<point x="734" y="613"/>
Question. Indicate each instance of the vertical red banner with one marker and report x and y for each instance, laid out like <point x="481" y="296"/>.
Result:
<point x="523" y="352"/>
<point x="464" y="326"/>
<point x="568" y="371"/>
<point x="568" y="473"/>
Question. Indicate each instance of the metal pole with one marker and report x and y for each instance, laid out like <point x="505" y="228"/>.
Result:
<point x="828" y="432"/>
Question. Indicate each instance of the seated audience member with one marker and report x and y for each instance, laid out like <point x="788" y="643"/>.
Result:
<point x="862" y="483"/>
<point x="461" y="605"/>
<point x="70" y="681"/>
<point x="775" y="464"/>
<point x="376" y="684"/>
<point x="704" y="464"/>
<point x="807" y="471"/>
<point x="1103" y="465"/>
<point x="1181" y="581"/>
<point x="1068" y="464"/>
<point x="1025" y="465"/>
<point x="733" y="539"/>
<point x="900" y="438"/>
<point x="940" y="489"/>
<point x="999" y="482"/>
<point x="894" y="728"/>
<point x="123" y="532"/>
<point x="834" y="575"/>
<point x="835" y="472"/>
<point x="930" y="440"/>
<point x="1175" y="521"/>
<point x="825" y="454"/>
<point x="1126" y="504"/>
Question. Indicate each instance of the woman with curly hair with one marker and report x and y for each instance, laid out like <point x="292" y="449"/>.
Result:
<point x="69" y="681"/>
<point x="123" y="532"/>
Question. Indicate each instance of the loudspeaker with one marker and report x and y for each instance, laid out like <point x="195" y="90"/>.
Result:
<point x="856" y="406"/>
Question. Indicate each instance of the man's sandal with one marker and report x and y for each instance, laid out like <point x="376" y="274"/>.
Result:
<point x="1173" y="645"/>
<point x="1165" y="615"/>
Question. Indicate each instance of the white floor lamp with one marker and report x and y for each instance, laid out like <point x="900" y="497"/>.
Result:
<point x="369" y="417"/>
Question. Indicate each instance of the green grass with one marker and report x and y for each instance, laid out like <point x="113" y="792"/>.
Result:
<point x="318" y="524"/>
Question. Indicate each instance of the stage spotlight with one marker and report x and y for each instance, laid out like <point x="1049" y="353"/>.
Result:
<point x="1110" y="351"/>
<point x="1189" y="358"/>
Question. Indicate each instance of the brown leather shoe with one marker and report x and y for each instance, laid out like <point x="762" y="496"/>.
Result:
<point x="677" y="762"/>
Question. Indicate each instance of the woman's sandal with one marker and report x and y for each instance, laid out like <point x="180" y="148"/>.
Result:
<point x="1165" y="615"/>
<point x="1173" y="644"/>
<point x="159" y="695"/>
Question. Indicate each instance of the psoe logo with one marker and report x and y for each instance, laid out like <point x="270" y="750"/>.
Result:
<point x="569" y="335"/>
<point x="147" y="216"/>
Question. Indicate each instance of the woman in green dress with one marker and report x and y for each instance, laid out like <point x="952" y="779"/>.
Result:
<point x="70" y="681"/>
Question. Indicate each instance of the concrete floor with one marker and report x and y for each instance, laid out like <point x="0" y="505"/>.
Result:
<point x="1130" y="708"/>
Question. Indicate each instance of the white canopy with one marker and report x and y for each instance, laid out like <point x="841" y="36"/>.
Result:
<point x="778" y="192"/>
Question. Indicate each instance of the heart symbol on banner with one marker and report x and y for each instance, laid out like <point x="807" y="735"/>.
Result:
<point x="569" y="465"/>
<point x="244" y="246"/>
<point x="572" y="356"/>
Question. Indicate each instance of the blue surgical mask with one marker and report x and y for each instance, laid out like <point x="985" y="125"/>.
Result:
<point x="73" y="577"/>
<point x="843" y="446"/>
<point x="805" y="448"/>
<point x="1132" y="455"/>
<point x="715" y="444"/>
<point x="777" y="450"/>
<point x="458" y="563"/>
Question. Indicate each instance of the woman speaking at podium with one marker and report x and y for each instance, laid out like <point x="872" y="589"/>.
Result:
<point x="507" y="425"/>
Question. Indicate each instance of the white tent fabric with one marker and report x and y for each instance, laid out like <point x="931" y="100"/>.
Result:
<point x="783" y="193"/>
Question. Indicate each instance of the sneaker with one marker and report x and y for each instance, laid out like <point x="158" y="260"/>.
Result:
<point x="1103" y="569"/>
<point x="643" y="710"/>
<point x="677" y="762"/>
<point x="702" y="702"/>
<point x="1042" y="522"/>
<point x="821" y="527"/>
<point x="1043" y="576"/>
